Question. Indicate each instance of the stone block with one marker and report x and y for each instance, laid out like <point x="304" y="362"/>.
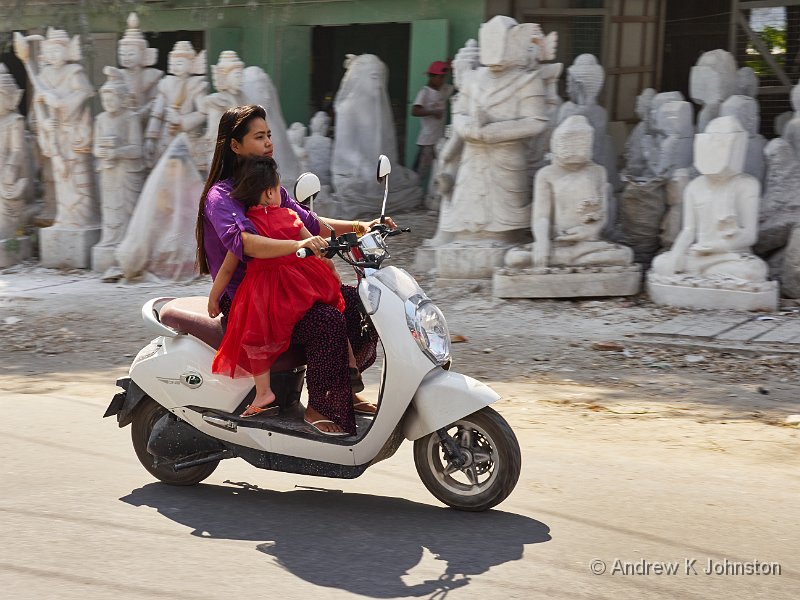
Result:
<point x="103" y="258"/>
<point x="14" y="251"/>
<point x="567" y="282"/>
<point x="714" y="298"/>
<point x="469" y="260"/>
<point x="61" y="247"/>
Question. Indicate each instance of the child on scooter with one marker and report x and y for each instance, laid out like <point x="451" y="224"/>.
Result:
<point x="275" y="293"/>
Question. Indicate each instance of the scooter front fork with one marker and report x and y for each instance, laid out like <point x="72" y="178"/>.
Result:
<point x="452" y="451"/>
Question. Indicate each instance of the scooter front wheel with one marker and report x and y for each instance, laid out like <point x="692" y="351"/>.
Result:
<point x="144" y="418"/>
<point x="491" y="468"/>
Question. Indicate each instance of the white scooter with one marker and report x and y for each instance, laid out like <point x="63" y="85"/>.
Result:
<point x="185" y="418"/>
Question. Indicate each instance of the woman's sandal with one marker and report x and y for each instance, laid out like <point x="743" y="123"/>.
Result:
<point x="356" y="410"/>
<point x="330" y="433"/>
<point x="271" y="410"/>
<point x="356" y="383"/>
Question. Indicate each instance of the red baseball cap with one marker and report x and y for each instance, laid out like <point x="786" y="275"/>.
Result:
<point x="438" y="67"/>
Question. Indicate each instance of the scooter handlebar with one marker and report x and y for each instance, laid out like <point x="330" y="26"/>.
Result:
<point x="304" y="252"/>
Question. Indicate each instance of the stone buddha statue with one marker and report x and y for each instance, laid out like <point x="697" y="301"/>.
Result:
<point x="118" y="151"/>
<point x="635" y="160"/>
<point x="791" y="131"/>
<point x="136" y="59"/>
<point x="178" y="104"/>
<point x="227" y="76"/>
<point x="711" y="264"/>
<point x="711" y="81"/>
<point x="748" y="113"/>
<point x="297" y="138"/>
<point x="319" y="146"/>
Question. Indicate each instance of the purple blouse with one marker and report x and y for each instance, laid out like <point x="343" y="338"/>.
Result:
<point x="224" y="222"/>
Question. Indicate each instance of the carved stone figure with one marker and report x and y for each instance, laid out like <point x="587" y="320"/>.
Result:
<point x="319" y="147"/>
<point x="711" y="81"/>
<point x="259" y="89"/>
<point x="568" y="256"/>
<point x="711" y="264"/>
<point x="635" y="159"/>
<point x="501" y="106"/>
<point x="585" y="78"/>
<point x="227" y="76"/>
<point x="791" y="131"/>
<point x="362" y="105"/>
<point x="746" y="82"/>
<point x="44" y="186"/>
<point x="62" y="94"/>
<point x="297" y="138"/>
<point x="14" y="175"/>
<point x="160" y="241"/>
<point x="747" y="111"/>
<point x="118" y="152"/>
<point x="178" y="106"/>
<point x="136" y="60"/>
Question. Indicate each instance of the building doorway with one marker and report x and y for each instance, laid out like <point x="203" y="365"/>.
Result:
<point x="388" y="41"/>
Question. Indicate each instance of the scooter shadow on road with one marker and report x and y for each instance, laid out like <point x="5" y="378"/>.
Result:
<point x="360" y="543"/>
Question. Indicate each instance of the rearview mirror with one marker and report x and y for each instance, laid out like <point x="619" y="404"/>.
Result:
<point x="306" y="188"/>
<point x="384" y="167"/>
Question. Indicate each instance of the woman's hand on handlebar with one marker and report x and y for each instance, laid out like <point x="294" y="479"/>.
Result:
<point x="387" y="221"/>
<point x="315" y="243"/>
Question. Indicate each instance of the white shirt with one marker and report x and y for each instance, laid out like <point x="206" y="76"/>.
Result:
<point x="432" y="128"/>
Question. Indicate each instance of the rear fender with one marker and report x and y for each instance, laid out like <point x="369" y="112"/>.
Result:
<point x="442" y="398"/>
<point x="124" y="403"/>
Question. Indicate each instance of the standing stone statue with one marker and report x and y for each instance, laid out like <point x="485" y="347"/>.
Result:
<point x="178" y="104"/>
<point x="227" y="76"/>
<point x="500" y="107"/>
<point x="14" y="175"/>
<point x="711" y="81"/>
<point x="570" y="206"/>
<point x="259" y="89"/>
<point x="585" y="78"/>
<point x="136" y="60"/>
<point x="297" y="138"/>
<point x="62" y="95"/>
<point x="364" y="130"/>
<point x="319" y="147"/>
<point x="635" y="159"/>
<point x="746" y="83"/>
<point x="118" y="152"/>
<point x="711" y="264"/>
<point x="747" y="111"/>
<point x="791" y="131"/>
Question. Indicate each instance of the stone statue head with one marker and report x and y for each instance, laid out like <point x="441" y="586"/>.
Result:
<point x="58" y="49"/>
<point x="183" y="60"/>
<point x="132" y="50"/>
<point x="746" y="82"/>
<point x="467" y="59"/>
<point x="660" y="100"/>
<point x="713" y="78"/>
<point x="644" y="102"/>
<point x="745" y="109"/>
<point x="227" y="75"/>
<point x="114" y="93"/>
<point x="675" y="118"/>
<point x="296" y="134"/>
<point x="572" y="142"/>
<point x="721" y="149"/>
<point x="320" y="123"/>
<point x="365" y="75"/>
<point x="10" y="92"/>
<point x="585" y="79"/>
<point x="795" y="97"/>
<point x="504" y="43"/>
<point x="542" y="47"/>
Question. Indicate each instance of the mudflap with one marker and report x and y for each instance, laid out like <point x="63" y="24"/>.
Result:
<point x="124" y="403"/>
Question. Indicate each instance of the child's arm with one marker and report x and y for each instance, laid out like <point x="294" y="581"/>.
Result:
<point x="221" y="281"/>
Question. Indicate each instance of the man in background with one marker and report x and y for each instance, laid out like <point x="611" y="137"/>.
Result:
<point x="429" y="106"/>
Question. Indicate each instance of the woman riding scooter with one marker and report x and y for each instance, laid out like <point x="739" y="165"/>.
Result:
<point x="222" y="227"/>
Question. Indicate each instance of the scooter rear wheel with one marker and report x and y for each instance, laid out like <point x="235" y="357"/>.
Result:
<point x="144" y="418"/>
<point x="492" y="468"/>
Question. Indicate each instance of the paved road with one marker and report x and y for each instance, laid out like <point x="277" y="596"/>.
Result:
<point x="80" y="518"/>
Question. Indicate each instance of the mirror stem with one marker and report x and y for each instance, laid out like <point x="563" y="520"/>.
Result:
<point x="385" y="194"/>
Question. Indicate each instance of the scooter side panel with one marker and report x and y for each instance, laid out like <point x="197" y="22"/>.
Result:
<point x="442" y="398"/>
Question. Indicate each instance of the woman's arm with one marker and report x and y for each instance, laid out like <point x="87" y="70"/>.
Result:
<point x="360" y="227"/>
<point x="221" y="281"/>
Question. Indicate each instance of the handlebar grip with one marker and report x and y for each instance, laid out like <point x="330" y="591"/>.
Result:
<point x="304" y="252"/>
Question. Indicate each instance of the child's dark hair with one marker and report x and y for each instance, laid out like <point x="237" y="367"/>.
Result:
<point x="253" y="176"/>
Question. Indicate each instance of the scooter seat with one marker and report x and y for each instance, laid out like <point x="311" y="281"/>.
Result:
<point x="190" y="315"/>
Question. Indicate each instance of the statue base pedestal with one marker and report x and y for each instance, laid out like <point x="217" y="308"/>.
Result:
<point x="567" y="282"/>
<point x="14" y="250"/>
<point x="470" y="259"/>
<point x="704" y="294"/>
<point x="61" y="247"/>
<point x="103" y="258"/>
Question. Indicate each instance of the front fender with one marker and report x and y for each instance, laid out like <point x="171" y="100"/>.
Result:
<point x="442" y="398"/>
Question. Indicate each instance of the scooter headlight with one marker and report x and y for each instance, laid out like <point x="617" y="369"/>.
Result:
<point x="429" y="328"/>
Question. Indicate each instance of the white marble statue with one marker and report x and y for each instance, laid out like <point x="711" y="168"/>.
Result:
<point x="747" y="111"/>
<point x="711" y="264"/>
<point x="543" y="48"/>
<point x="780" y="207"/>
<point x="136" y="59"/>
<point x="44" y="186"/>
<point x="585" y="78"/>
<point x="259" y="89"/>
<point x="364" y="130"/>
<point x="160" y="241"/>
<point x="746" y="83"/>
<point x="319" y="147"/>
<point x="297" y="138"/>
<point x="711" y="81"/>
<point x="178" y="104"/>
<point x="62" y="95"/>
<point x="14" y="173"/>
<point x="118" y="146"/>
<point x="635" y="159"/>
<point x="227" y="77"/>
<point x="791" y="130"/>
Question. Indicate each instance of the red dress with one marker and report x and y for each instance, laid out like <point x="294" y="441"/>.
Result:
<point x="273" y="296"/>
